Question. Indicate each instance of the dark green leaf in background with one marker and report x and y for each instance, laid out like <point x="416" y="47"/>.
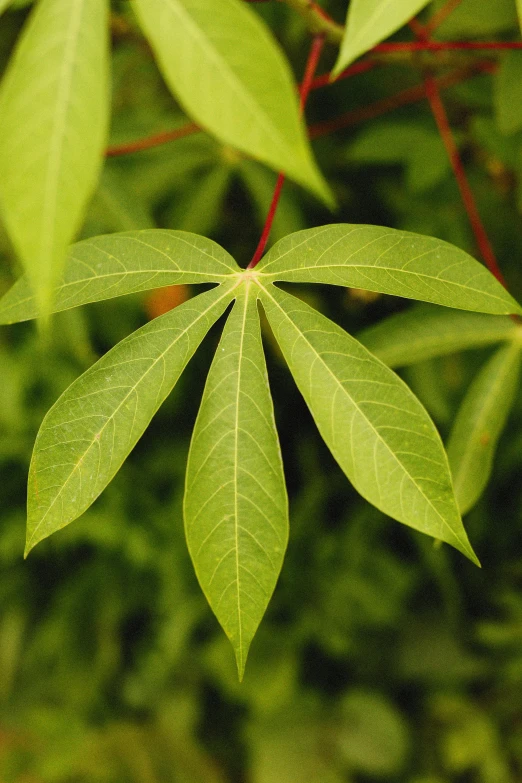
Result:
<point x="50" y="156"/>
<point x="480" y="421"/>
<point x="426" y="331"/>
<point x="508" y="93"/>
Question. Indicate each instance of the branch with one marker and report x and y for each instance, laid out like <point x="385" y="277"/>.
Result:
<point x="304" y="91"/>
<point x="441" y="118"/>
<point x="410" y="95"/>
<point x="445" y="46"/>
<point x="318" y="21"/>
<point x="151" y="141"/>
<point x="440" y="16"/>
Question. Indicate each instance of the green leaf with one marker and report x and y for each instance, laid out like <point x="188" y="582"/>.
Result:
<point x="235" y="501"/>
<point x="4" y="4"/>
<point x="371" y="21"/>
<point x="508" y="93"/>
<point x="426" y="331"/>
<point x="199" y="208"/>
<point x="118" y="264"/>
<point x="519" y="12"/>
<point x="476" y="18"/>
<point x="479" y="424"/>
<point x="388" y="261"/>
<point x="91" y="429"/>
<point x="228" y="73"/>
<point x="377" y="430"/>
<point x="53" y="123"/>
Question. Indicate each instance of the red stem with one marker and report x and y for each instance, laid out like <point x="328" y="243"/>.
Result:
<point x="325" y="79"/>
<point x="152" y="141"/>
<point x="410" y="95"/>
<point x="306" y="84"/>
<point x="444" y="46"/>
<point x="441" y="118"/>
<point x="438" y="18"/>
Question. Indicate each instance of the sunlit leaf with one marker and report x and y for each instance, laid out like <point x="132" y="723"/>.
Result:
<point x="53" y="122"/>
<point x="371" y="21"/>
<point x="426" y="331"/>
<point x="96" y="422"/>
<point x="375" y="427"/>
<point x="117" y="264"/>
<point x="235" y="501"/>
<point x="228" y="73"/>
<point x="4" y="4"/>
<point x="388" y="261"/>
<point x="479" y="424"/>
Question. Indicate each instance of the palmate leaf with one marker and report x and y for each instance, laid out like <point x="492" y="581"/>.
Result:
<point x="479" y="423"/>
<point x="228" y="73"/>
<point x="96" y="422"/>
<point x="375" y="427"/>
<point x="371" y="21"/>
<point x="117" y="264"/>
<point x="53" y="124"/>
<point x="427" y="331"/>
<point x="388" y="261"/>
<point x="236" y="516"/>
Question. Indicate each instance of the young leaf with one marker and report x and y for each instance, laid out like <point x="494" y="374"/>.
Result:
<point x="53" y="121"/>
<point x="480" y="422"/>
<point x="377" y="430"/>
<point x="229" y="75"/>
<point x="371" y="21"/>
<point x="235" y="501"/>
<point x="97" y="421"/>
<point x="388" y="261"/>
<point x="426" y="331"/>
<point x="117" y="264"/>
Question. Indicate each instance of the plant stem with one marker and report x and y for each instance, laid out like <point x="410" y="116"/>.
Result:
<point x="152" y="141"/>
<point x="438" y="18"/>
<point x="318" y="21"/>
<point x="441" y="118"/>
<point x="445" y="46"/>
<point x="306" y="84"/>
<point x="410" y="95"/>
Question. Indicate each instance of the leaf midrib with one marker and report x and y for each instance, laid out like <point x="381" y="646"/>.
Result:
<point x="377" y="434"/>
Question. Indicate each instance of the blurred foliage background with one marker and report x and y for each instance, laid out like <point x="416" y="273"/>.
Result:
<point x="380" y="657"/>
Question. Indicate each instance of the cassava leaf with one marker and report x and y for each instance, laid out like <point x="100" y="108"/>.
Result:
<point x="480" y="422"/>
<point x="377" y="430"/>
<point x="116" y="264"/>
<point x="388" y="261"/>
<point x="229" y="74"/>
<point x="91" y="429"/>
<point x="371" y="21"/>
<point x="235" y="499"/>
<point x="53" y="122"/>
<point x="426" y="331"/>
